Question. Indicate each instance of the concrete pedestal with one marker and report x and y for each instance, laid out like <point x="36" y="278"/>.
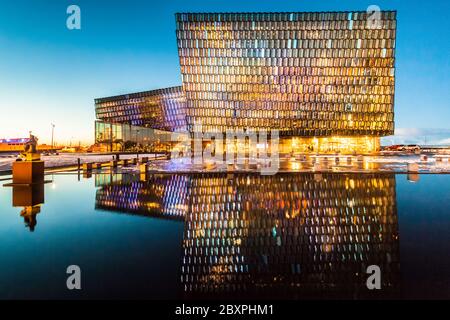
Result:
<point x="413" y="177"/>
<point x="87" y="174"/>
<point x="28" y="172"/>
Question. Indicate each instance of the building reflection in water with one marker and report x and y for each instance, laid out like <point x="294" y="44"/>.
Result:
<point x="283" y="236"/>
<point x="156" y="196"/>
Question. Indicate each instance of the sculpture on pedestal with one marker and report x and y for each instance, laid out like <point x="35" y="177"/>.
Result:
<point x="28" y="182"/>
<point x="30" y="150"/>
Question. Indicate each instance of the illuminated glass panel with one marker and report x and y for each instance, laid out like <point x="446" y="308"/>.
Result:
<point x="303" y="73"/>
<point x="162" y="109"/>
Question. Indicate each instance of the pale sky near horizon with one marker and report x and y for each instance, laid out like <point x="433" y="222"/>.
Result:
<point x="49" y="74"/>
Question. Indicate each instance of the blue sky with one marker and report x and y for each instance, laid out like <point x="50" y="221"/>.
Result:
<point x="51" y="74"/>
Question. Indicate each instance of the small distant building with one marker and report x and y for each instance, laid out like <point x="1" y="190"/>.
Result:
<point x="13" y="145"/>
<point x="18" y="145"/>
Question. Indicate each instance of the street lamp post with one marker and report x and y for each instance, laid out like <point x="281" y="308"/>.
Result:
<point x="111" y="137"/>
<point x="137" y="144"/>
<point x="53" y="129"/>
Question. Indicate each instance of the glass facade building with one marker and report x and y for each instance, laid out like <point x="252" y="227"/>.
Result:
<point x="324" y="80"/>
<point x="121" y="136"/>
<point x="141" y="118"/>
<point x="306" y="74"/>
<point x="162" y="109"/>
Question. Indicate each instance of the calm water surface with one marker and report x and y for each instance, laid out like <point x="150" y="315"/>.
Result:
<point x="217" y="235"/>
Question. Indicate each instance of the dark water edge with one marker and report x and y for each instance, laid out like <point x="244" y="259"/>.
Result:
<point x="264" y="237"/>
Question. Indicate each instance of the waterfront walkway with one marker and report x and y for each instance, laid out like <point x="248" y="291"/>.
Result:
<point x="322" y="163"/>
<point x="298" y="163"/>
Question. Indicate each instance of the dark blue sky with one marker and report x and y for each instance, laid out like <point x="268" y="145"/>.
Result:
<point x="51" y="74"/>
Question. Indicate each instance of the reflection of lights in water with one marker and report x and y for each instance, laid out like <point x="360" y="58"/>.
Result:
<point x="53" y="185"/>
<point x="153" y="205"/>
<point x="350" y="184"/>
<point x="263" y="243"/>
